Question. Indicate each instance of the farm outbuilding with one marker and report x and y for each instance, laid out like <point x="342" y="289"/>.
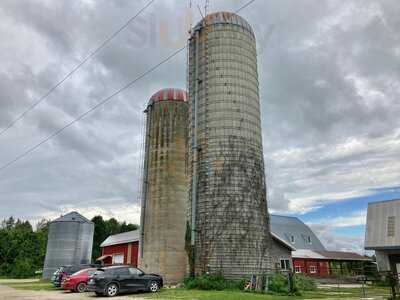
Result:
<point x="382" y="234"/>
<point x="70" y="241"/>
<point x="326" y="263"/>
<point x="120" y="248"/>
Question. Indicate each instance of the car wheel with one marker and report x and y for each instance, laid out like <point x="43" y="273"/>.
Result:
<point x="112" y="290"/>
<point x="81" y="287"/>
<point x="153" y="286"/>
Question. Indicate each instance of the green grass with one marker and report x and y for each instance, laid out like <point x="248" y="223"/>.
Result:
<point x="336" y="293"/>
<point x="183" y="294"/>
<point x="209" y="295"/>
<point x="32" y="286"/>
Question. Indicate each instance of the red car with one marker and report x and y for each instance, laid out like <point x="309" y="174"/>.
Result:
<point x="77" y="282"/>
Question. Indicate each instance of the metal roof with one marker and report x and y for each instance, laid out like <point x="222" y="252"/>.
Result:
<point x="169" y="94"/>
<point x="224" y="17"/>
<point x="282" y="242"/>
<point x="329" y="255"/>
<point x="73" y="216"/>
<point x="121" y="238"/>
<point x="305" y="253"/>
<point x="285" y="227"/>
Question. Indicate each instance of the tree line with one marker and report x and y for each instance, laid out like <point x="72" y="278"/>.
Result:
<point x="23" y="247"/>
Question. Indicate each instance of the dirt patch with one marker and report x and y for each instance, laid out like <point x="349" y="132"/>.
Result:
<point x="14" y="294"/>
<point x="18" y="280"/>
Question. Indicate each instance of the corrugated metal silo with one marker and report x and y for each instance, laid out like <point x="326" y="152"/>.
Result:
<point x="70" y="242"/>
<point x="228" y="206"/>
<point x="163" y="217"/>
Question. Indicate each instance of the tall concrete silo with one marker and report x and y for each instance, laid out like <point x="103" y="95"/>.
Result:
<point x="228" y="205"/>
<point x="70" y="242"/>
<point x="163" y="216"/>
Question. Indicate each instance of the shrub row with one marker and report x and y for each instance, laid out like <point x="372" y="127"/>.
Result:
<point x="277" y="283"/>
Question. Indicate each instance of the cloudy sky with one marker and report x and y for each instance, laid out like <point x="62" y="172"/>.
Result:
<point x="329" y="86"/>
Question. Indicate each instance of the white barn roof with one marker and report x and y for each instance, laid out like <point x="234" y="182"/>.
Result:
<point x="329" y="255"/>
<point x="121" y="238"/>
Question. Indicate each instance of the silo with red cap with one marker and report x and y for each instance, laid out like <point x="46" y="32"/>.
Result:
<point x="164" y="190"/>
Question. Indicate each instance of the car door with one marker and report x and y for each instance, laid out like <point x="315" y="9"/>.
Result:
<point x="137" y="282"/>
<point x="122" y="276"/>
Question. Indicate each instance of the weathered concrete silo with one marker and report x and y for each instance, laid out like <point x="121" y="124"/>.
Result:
<point x="228" y="207"/>
<point x="70" y="242"/>
<point x="164" y="199"/>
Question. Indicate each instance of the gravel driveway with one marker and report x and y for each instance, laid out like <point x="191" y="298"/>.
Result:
<point x="8" y="293"/>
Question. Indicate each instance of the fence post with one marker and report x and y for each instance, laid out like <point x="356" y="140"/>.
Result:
<point x="253" y="282"/>
<point x="364" y="279"/>
<point x="266" y="283"/>
<point x="393" y="281"/>
<point x="291" y="282"/>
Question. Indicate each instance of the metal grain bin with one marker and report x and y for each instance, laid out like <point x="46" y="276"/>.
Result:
<point x="228" y="205"/>
<point x="70" y="241"/>
<point x="164" y="199"/>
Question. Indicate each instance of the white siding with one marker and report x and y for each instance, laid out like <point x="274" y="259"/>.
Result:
<point x="376" y="232"/>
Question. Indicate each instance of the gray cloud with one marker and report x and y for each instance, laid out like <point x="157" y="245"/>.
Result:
<point x="329" y="84"/>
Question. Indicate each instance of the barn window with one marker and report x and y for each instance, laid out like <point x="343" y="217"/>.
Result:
<point x="309" y="241"/>
<point x="391" y="222"/>
<point x="285" y="264"/>
<point x="297" y="269"/>
<point x="292" y="239"/>
<point x="118" y="259"/>
<point x="313" y="269"/>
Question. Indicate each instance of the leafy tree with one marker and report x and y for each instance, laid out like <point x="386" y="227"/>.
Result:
<point x="23" y="249"/>
<point x="100" y="234"/>
<point x="128" y="227"/>
<point x="113" y="226"/>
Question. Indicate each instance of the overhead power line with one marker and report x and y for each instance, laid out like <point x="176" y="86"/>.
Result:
<point x="94" y="107"/>
<point x="76" y="68"/>
<point x="244" y="5"/>
<point x="80" y="117"/>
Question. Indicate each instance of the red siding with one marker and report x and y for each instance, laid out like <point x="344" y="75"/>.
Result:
<point x="135" y="253"/>
<point x="321" y="266"/>
<point x="122" y="249"/>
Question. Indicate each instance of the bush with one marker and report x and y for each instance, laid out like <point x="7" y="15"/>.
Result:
<point x="304" y="283"/>
<point x="213" y="282"/>
<point x="278" y="283"/>
<point x="23" y="268"/>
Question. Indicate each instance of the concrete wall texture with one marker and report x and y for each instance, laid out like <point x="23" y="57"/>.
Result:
<point x="69" y="243"/>
<point x="164" y="210"/>
<point x="382" y="229"/>
<point x="231" y="227"/>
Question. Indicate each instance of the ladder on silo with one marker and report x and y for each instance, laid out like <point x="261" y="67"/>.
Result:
<point x="205" y="76"/>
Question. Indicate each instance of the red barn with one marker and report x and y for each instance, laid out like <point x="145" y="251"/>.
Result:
<point x="325" y="263"/>
<point x="120" y="249"/>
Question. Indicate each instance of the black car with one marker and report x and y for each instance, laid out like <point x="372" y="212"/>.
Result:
<point x="63" y="271"/>
<point x="111" y="281"/>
